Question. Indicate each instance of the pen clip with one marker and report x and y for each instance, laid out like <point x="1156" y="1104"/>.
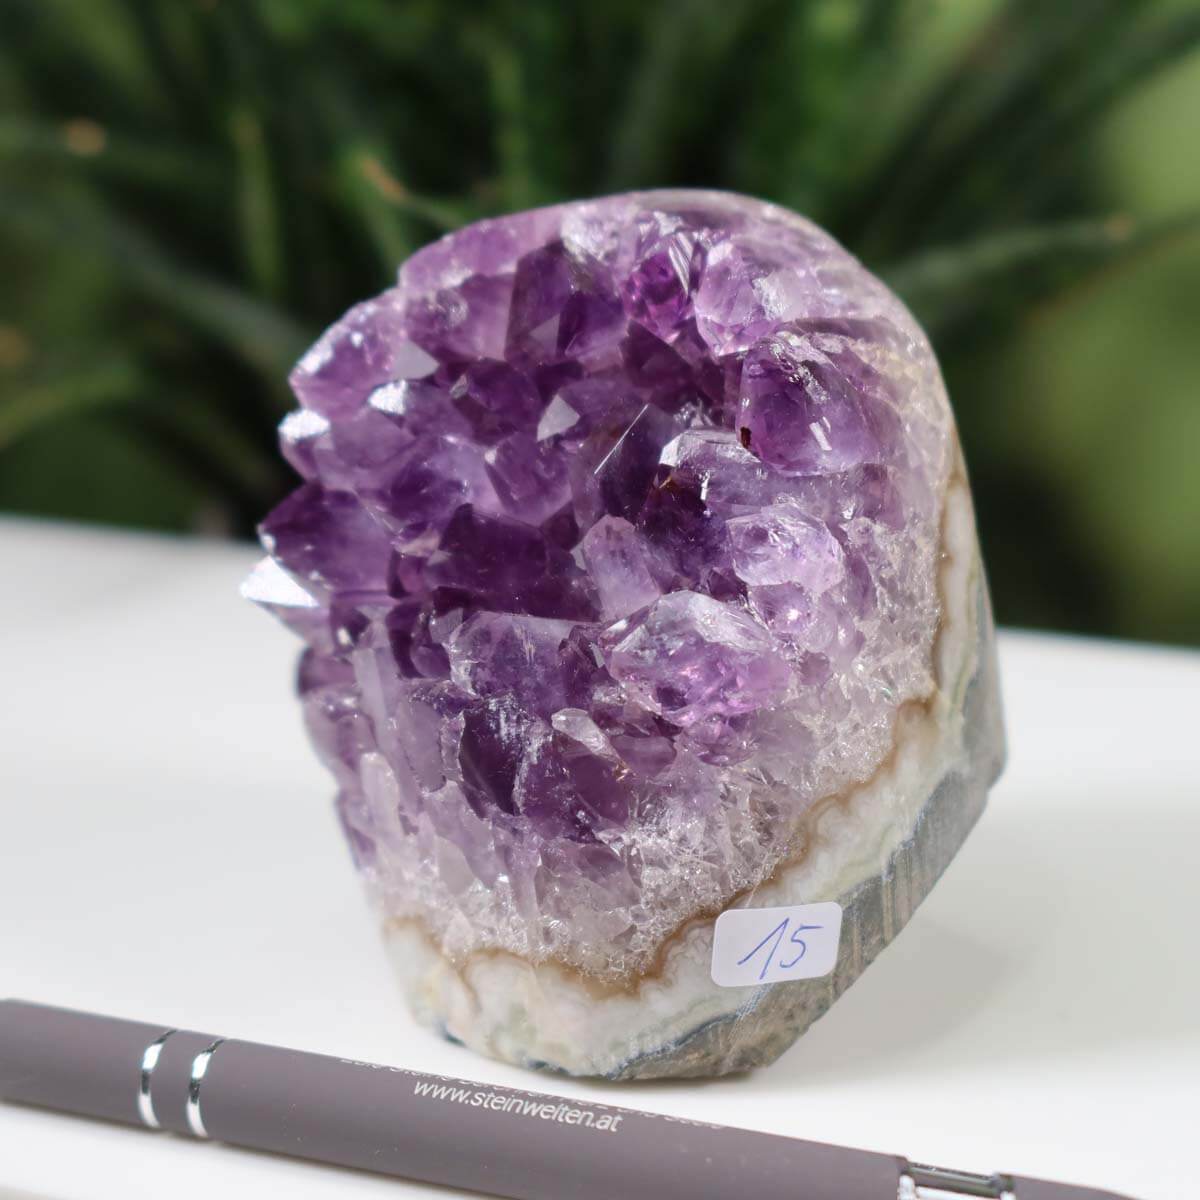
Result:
<point x="922" y="1182"/>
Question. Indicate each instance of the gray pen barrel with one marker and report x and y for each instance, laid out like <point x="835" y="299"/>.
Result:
<point x="451" y="1132"/>
<point x="472" y="1136"/>
<point x="73" y="1061"/>
<point x="512" y="1143"/>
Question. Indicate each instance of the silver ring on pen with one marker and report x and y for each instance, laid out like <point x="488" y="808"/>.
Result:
<point x="199" y="1067"/>
<point x="145" y="1104"/>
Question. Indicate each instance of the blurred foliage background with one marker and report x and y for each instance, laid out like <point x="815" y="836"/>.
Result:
<point x="191" y="189"/>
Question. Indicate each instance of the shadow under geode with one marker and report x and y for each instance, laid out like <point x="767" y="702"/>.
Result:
<point x="1039" y="944"/>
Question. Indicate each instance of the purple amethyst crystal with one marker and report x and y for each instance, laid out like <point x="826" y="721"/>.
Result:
<point x="620" y="555"/>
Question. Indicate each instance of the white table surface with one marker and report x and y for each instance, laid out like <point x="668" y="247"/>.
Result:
<point x="168" y="852"/>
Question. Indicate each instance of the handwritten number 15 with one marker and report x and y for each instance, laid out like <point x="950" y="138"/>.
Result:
<point x="775" y="937"/>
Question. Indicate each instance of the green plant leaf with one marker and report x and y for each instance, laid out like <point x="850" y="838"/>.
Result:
<point x="514" y="132"/>
<point x="943" y="285"/>
<point x="1109" y="79"/>
<point x="87" y="146"/>
<point x="682" y="50"/>
<point x="34" y="403"/>
<point x="257" y="204"/>
<point x="262" y="336"/>
<point x="1003" y="78"/>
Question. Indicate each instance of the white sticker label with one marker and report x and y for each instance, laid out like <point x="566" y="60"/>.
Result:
<point x="752" y="946"/>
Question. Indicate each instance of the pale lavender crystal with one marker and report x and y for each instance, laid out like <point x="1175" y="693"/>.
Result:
<point x="511" y="656"/>
<point x="808" y="410"/>
<point x="619" y="560"/>
<point x="692" y="657"/>
<point x="616" y="550"/>
<point x="366" y="347"/>
<point x="785" y="545"/>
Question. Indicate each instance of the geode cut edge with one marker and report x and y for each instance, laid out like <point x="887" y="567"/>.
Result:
<point x="906" y="823"/>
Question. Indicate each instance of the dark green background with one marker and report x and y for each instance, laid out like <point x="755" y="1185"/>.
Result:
<point x="191" y="189"/>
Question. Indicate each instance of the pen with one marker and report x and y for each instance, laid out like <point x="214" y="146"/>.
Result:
<point x="471" y="1136"/>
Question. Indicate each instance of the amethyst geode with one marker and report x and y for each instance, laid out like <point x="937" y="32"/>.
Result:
<point x="637" y="572"/>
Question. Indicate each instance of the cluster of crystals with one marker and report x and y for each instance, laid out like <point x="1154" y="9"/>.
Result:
<point x="616" y="550"/>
